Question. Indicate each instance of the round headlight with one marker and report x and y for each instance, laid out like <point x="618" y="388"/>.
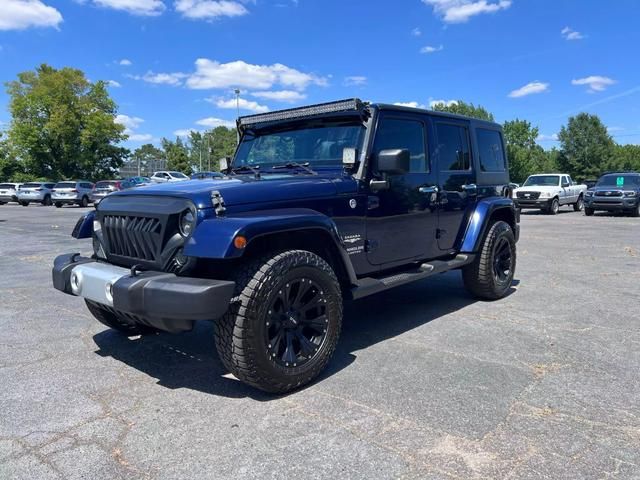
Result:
<point x="96" y="225"/>
<point x="187" y="223"/>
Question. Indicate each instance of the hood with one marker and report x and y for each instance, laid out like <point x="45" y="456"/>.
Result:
<point x="243" y="189"/>
<point x="538" y="188"/>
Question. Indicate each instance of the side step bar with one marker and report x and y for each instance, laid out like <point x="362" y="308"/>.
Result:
<point x="369" y="285"/>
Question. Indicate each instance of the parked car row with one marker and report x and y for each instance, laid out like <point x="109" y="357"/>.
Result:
<point x="612" y="192"/>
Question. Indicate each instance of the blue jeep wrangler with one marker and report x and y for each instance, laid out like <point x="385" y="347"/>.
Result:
<point x="319" y="204"/>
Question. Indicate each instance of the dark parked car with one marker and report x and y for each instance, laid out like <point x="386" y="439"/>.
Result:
<point x="320" y="204"/>
<point x="104" y="188"/>
<point x="615" y="192"/>
<point x="205" y="175"/>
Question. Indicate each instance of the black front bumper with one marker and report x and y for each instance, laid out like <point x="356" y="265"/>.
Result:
<point x="160" y="299"/>
<point x="622" y="205"/>
<point x="524" y="203"/>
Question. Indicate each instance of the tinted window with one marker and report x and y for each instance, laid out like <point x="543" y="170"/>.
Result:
<point x="31" y="185"/>
<point x="178" y="175"/>
<point x="619" y="180"/>
<point x="453" y="147"/>
<point x="65" y="185"/>
<point x="7" y="186"/>
<point x="49" y="185"/>
<point x="405" y="134"/>
<point x="542" y="181"/>
<point x="490" y="150"/>
<point x="87" y="185"/>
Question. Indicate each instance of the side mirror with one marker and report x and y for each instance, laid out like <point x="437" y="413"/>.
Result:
<point x="394" y="162"/>
<point x="225" y="163"/>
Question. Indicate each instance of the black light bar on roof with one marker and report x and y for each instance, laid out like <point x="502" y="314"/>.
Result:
<point x="353" y="104"/>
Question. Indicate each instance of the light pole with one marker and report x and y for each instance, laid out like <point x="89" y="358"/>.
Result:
<point x="237" y="92"/>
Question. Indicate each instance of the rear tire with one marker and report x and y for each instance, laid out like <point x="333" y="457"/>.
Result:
<point x="24" y="204"/>
<point x="58" y="204"/>
<point x="283" y="323"/>
<point x="588" y="211"/>
<point x="579" y="205"/>
<point x="490" y="275"/>
<point x="114" y="322"/>
<point x="84" y="202"/>
<point x="47" y="201"/>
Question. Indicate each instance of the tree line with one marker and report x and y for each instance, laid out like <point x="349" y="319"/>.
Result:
<point x="63" y="126"/>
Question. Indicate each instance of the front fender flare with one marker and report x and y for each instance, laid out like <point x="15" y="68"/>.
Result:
<point x="479" y="221"/>
<point x="84" y="225"/>
<point x="213" y="237"/>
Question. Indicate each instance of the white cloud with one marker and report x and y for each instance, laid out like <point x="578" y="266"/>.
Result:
<point x="431" y="49"/>
<point x="209" y="9"/>
<point x="529" y="89"/>
<point x="288" y="96"/>
<point x="173" y="79"/>
<point x="125" y="62"/>
<point x="242" y="104"/>
<point x="148" y="8"/>
<point x="212" y="122"/>
<point x="21" y="14"/>
<point x="355" y="81"/>
<point x="113" y="83"/>
<point x="448" y="103"/>
<point x="615" y="129"/>
<point x="410" y="104"/>
<point x="547" y="138"/>
<point x="460" y="11"/>
<point x="183" y="132"/>
<point x="570" y="34"/>
<point x="416" y="32"/>
<point x="131" y="123"/>
<point x="596" y="83"/>
<point x="238" y="74"/>
<point x="140" y="137"/>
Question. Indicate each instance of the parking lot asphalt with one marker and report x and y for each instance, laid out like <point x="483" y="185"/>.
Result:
<point x="426" y="382"/>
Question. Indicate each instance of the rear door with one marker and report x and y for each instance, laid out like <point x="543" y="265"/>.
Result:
<point x="402" y="220"/>
<point x="456" y="179"/>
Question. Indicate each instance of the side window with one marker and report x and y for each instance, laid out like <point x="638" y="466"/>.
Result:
<point x="453" y="147"/>
<point x="395" y="133"/>
<point x="490" y="150"/>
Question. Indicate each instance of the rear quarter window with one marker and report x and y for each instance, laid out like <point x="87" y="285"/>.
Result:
<point x="490" y="150"/>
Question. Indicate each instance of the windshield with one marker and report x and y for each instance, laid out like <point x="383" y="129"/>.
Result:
<point x="65" y="185"/>
<point x="178" y="175"/>
<point x="319" y="145"/>
<point x="631" y="181"/>
<point x="542" y="181"/>
<point x="31" y="185"/>
<point x="7" y="186"/>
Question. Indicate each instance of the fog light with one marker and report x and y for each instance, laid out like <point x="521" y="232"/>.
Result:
<point x="108" y="290"/>
<point x="75" y="282"/>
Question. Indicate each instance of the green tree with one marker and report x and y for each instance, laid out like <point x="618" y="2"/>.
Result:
<point x="586" y="148"/>
<point x="63" y="126"/>
<point x="177" y="155"/>
<point x="626" y="157"/>
<point x="525" y="156"/>
<point x="466" y="109"/>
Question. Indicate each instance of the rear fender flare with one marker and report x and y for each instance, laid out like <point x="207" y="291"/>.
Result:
<point x="479" y="221"/>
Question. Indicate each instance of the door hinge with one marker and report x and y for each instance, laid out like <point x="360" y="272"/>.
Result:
<point x="440" y="233"/>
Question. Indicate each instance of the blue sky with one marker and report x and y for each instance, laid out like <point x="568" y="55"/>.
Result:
<point x="173" y="64"/>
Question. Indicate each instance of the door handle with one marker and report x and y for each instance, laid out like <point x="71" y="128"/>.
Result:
<point x="428" y="189"/>
<point x="472" y="187"/>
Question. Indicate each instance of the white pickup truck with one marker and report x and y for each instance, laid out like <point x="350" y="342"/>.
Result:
<point x="548" y="192"/>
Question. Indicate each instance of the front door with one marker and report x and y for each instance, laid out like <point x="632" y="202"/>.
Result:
<point x="402" y="220"/>
<point x="456" y="180"/>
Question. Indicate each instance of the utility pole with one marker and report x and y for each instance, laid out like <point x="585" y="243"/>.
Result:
<point x="208" y="154"/>
<point x="200" y="154"/>
<point x="237" y="92"/>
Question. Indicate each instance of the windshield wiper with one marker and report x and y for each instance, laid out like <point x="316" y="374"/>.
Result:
<point x="304" y="166"/>
<point x="246" y="168"/>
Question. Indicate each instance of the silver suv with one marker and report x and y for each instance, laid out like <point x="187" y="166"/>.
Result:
<point x="77" y="192"/>
<point x="39" y="192"/>
<point x="9" y="192"/>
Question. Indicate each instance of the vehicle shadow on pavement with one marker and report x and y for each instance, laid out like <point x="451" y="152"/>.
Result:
<point x="190" y="360"/>
<point x="534" y="212"/>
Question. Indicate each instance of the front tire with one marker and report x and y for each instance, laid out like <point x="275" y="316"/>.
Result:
<point x="579" y="205"/>
<point x="554" y="207"/>
<point x="284" y="322"/>
<point x="47" y="201"/>
<point x="114" y="322"/>
<point x="490" y="275"/>
<point x="636" y="211"/>
<point x="58" y="204"/>
<point x="588" y="211"/>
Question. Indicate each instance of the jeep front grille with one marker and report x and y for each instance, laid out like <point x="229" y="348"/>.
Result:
<point x="133" y="236"/>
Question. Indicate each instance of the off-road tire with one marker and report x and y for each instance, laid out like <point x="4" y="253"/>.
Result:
<point x="553" y="207"/>
<point x="24" y="204"/>
<point x="579" y="205"/>
<point x="112" y="321"/>
<point x="240" y="333"/>
<point x="588" y="211"/>
<point x="58" y="204"/>
<point x="478" y="276"/>
<point x="84" y="202"/>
